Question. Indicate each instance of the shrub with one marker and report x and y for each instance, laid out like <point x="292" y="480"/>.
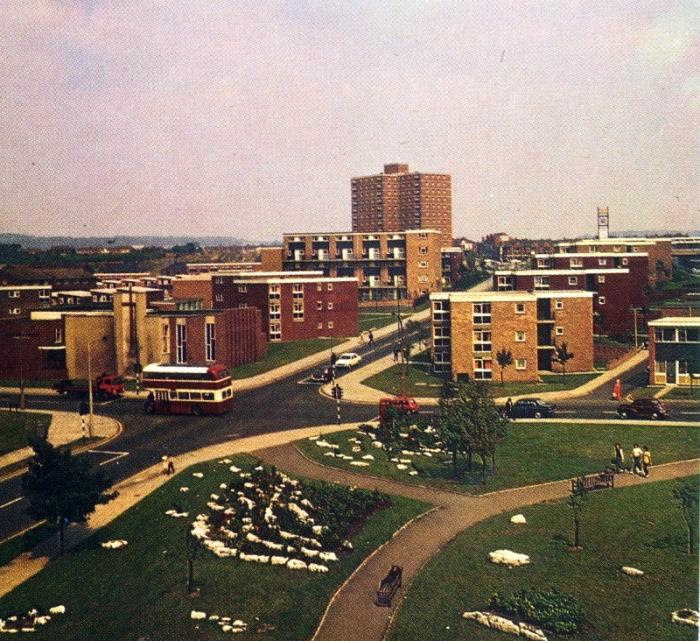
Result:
<point x="560" y="613"/>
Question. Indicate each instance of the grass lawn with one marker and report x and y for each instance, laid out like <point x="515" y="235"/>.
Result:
<point x="420" y="382"/>
<point x="637" y="526"/>
<point x="684" y="393"/>
<point x="16" y="427"/>
<point x="14" y="382"/>
<point x="139" y="592"/>
<point x="531" y="453"/>
<point x="278" y="354"/>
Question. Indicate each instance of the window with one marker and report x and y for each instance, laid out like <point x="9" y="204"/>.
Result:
<point x="559" y="331"/>
<point x="44" y="294"/>
<point x="601" y="300"/>
<point x="601" y="278"/>
<point x="298" y="311"/>
<point x="319" y="325"/>
<point x="274" y="311"/>
<point x="15" y="311"/>
<point x="665" y="335"/>
<point x="519" y="308"/>
<point x="559" y="304"/>
<point x="422" y="263"/>
<point x="625" y="261"/>
<point x="482" y="369"/>
<point x="682" y="367"/>
<point x="209" y="342"/>
<point x="275" y="331"/>
<point x="330" y="306"/>
<point x="602" y="261"/>
<point x="519" y="337"/>
<point x="575" y="262"/>
<point x="330" y="287"/>
<point x="573" y="280"/>
<point x="14" y="293"/>
<point x="242" y="305"/>
<point x="423" y="279"/>
<point x="165" y="338"/>
<point x="183" y="396"/>
<point x="274" y="292"/>
<point x="422" y="236"/>
<point x="520" y="363"/>
<point x="541" y="282"/>
<point x="319" y="305"/>
<point x="218" y="281"/>
<point x="482" y="341"/>
<point x="58" y="335"/>
<point x="319" y="287"/>
<point x="660" y="367"/>
<point x="219" y="298"/>
<point x="180" y="343"/>
<point x="422" y="251"/>
<point x="298" y="291"/>
<point x="481" y="313"/>
<point x="197" y="396"/>
<point x="242" y="289"/>
<point x="330" y="324"/>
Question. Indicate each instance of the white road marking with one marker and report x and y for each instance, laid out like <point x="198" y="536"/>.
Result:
<point x="115" y="455"/>
<point x="12" y="502"/>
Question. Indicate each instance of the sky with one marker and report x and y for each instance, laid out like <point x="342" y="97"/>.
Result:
<point x="248" y="119"/>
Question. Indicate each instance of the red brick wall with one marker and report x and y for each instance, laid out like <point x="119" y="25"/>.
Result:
<point x="24" y="355"/>
<point x="193" y="290"/>
<point x="28" y="300"/>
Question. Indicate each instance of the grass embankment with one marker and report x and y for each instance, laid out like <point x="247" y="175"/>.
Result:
<point x="530" y="453"/>
<point x="139" y="591"/>
<point x="16" y="427"/>
<point x="418" y="381"/>
<point x="684" y="393"/>
<point x="637" y="526"/>
<point x="279" y="354"/>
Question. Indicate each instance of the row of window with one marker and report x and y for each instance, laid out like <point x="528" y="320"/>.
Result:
<point x="483" y="367"/>
<point x="44" y="294"/>
<point x="181" y="342"/>
<point x="677" y="335"/>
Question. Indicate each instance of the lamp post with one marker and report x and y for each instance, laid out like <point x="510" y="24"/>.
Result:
<point x="634" y="312"/>
<point x="22" y="396"/>
<point x="90" y="384"/>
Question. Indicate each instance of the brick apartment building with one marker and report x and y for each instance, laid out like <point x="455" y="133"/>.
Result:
<point x="451" y="263"/>
<point x="53" y="277"/>
<point x="293" y="306"/>
<point x="192" y="291"/>
<point x="674" y="350"/>
<point x="469" y="328"/>
<point x="399" y="200"/>
<point x="616" y="294"/>
<point x="18" y="301"/>
<point x="388" y="266"/>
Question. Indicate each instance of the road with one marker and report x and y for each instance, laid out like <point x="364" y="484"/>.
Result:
<point x="286" y="404"/>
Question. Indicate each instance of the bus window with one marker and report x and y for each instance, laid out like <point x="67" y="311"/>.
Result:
<point x="208" y="396"/>
<point x="196" y="396"/>
<point x="183" y="396"/>
<point x="173" y="394"/>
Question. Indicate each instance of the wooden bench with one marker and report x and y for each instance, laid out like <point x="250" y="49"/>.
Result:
<point x="389" y="586"/>
<point x="595" y="481"/>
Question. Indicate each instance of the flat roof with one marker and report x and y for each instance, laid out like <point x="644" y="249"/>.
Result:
<point x="4" y="288"/>
<point x="71" y="292"/>
<point x="559" y="272"/>
<point x="57" y="315"/>
<point x="611" y="241"/>
<point x="283" y="274"/>
<point x="362" y="233"/>
<point x="591" y="255"/>
<point x="282" y="281"/>
<point x="493" y="296"/>
<point x="676" y="321"/>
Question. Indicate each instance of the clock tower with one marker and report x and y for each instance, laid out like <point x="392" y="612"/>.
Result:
<point x="603" y="223"/>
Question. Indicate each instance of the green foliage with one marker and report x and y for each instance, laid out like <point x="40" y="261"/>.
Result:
<point x="61" y="488"/>
<point x="685" y="495"/>
<point x="504" y="357"/>
<point x="562" y="355"/>
<point x="575" y="501"/>
<point x="548" y="608"/>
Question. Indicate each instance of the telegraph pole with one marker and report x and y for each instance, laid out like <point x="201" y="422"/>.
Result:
<point x="634" y="311"/>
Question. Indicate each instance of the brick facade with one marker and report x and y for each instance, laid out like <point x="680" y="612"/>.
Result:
<point x="17" y="301"/>
<point x="196" y="290"/>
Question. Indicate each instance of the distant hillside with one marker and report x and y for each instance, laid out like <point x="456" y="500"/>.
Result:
<point x="44" y="242"/>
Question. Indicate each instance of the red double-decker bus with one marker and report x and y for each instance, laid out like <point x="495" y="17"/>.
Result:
<point x="187" y="389"/>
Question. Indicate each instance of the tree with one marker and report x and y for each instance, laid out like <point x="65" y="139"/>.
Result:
<point x="61" y="488"/>
<point x="504" y="357"/>
<point x="561" y="356"/>
<point x="420" y="331"/>
<point x="685" y="494"/>
<point x="576" y="501"/>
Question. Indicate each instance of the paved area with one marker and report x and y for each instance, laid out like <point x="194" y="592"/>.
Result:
<point x="351" y="615"/>
<point x="355" y="391"/>
<point x="65" y="428"/>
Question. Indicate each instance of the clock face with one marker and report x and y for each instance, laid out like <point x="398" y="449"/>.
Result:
<point x="602" y="220"/>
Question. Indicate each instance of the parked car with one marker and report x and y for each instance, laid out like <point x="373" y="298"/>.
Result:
<point x="348" y="360"/>
<point x="402" y="404"/>
<point x="104" y="387"/>
<point x="531" y="408"/>
<point x="643" y="408"/>
<point x="323" y="375"/>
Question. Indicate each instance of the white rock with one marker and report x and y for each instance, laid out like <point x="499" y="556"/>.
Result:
<point x="518" y="518"/>
<point x="359" y="463"/>
<point x="368" y="457"/>
<point x="184" y="489"/>
<point x="329" y="454"/>
<point x="413" y="473"/>
<point x="479" y="617"/>
<point x="401" y="466"/>
<point x="313" y="438"/>
<point x="223" y="486"/>
<point x="692" y="618"/>
<point x="295" y="564"/>
<point x="632" y="571"/>
<point x="57" y="609"/>
<point x="198" y="475"/>
<point x="314" y="567"/>
<point x="177" y="515"/>
<point x="114" y="545"/>
<point x="234" y="469"/>
<point x="328" y="556"/>
<point x="279" y="560"/>
<point x="196" y="615"/>
<point x="503" y="624"/>
<point x="507" y="557"/>
<point x="377" y="445"/>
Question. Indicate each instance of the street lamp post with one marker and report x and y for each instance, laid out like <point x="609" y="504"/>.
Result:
<point x="90" y="395"/>
<point x="634" y="312"/>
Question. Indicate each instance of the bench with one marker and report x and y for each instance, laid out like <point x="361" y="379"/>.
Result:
<point x="595" y="481"/>
<point x="389" y="586"/>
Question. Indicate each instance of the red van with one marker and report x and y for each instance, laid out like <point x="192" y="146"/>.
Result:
<point x="402" y="404"/>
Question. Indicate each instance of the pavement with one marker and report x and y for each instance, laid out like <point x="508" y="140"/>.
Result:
<point x="355" y="391"/>
<point x="65" y="428"/>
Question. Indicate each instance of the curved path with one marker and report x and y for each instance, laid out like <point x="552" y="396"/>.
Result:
<point x="351" y="614"/>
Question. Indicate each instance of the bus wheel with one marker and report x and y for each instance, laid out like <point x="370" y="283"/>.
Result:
<point x="197" y="410"/>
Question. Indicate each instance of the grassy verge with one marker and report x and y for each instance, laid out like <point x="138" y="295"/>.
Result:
<point x="279" y="354"/>
<point x="684" y="393"/>
<point x="420" y="382"/>
<point x="637" y="526"/>
<point x="645" y="392"/>
<point x="530" y="453"/>
<point x="16" y="427"/>
<point x="139" y="592"/>
<point x="24" y="542"/>
<point x="14" y="382"/>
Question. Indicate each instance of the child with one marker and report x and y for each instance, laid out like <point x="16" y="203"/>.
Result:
<point x="619" y="458"/>
<point x="646" y="461"/>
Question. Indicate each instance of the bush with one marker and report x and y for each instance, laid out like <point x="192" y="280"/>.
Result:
<point x="560" y="613"/>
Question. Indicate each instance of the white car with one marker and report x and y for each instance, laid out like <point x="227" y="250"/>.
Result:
<point x="348" y="360"/>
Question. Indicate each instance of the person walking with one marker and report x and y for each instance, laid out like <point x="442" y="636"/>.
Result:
<point x="617" y="390"/>
<point x="508" y="408"/>
<point x="395" y="351"/>
<point x="165" y="464"/>
<point x="646" y="461"/>
<point x="637" y="459"/>
<point x="370" y="338"/>
<point x="619" y="458"/>
<point x="334" y="358"/>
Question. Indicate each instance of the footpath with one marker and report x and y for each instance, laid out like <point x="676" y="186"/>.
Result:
<point x="355" y="391"/>
<point x="65" y="428"/>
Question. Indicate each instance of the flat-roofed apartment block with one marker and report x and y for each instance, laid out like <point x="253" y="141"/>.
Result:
<point x="294" y="305"/>
<point x="388" y="266"/>
<point x="469" y="328"/>
<point x="399" y="200"/>
<point x="674" y="351"/>
<point x="18" y="301"/>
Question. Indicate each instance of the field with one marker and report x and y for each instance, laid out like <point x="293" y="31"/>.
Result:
<point x="639" y="527"/>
